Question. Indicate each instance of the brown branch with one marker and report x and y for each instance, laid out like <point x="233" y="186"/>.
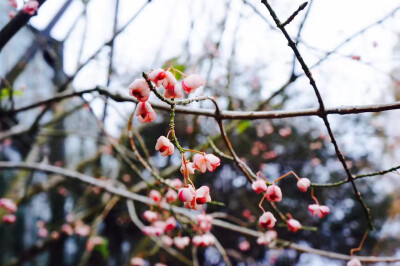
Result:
<point x="122" y="192"/>
<point x="323" y="115"/>
<point x="14" y="25"/>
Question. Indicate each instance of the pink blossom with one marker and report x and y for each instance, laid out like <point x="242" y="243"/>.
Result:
<point x="12" y="14"/>
<point x="55" y="235"/>
<point x="267" y="220"/>
<point x="303" y="184"/>
<point x="136" y="261"/>
<point x="186" y="194"/>
<point x="30" y="7"/>
<point x="67" y="229"/>
<point x="139" y="89"/>
<point x="164" y="146"/>
<point x="157" y="76"/>
<point x="204" y="221"/>
<point x="176" y="183"/>
<point x="203" y="240"/>
<point x="170" y="224"/>
<point x="318" y="210"/>
<point x="190" y="168"/>
<point x="293" y="225"/>
<point x="145" y="112"/>
<point x="181" y="242"/>
<point x="274" y="193"/>
<point x="192" y="82"/>
<point x="155" y="195"/>
<point x="150" y="216"/>
<point x="174" y="92"/>
<point x="166" y="240"/>
<point x="244" y="245"/>
<point x="169" y="81"/>
<point x="12" y="3"/>
<point x="267" y="237"/>
<point x="206" y="162"/>
<point x="354" y="262"/>
<point x="93" y="241"/>
<point x="9" y="218"/>
<point x="203" y="195"/>
<point x="171" y="196"/>
<point x="192" y="205"/>
<point x="8" y="205"/>
<point x="43" y="232"/>
<point x="153" y="230"/>
<point x="259" y="186"/>
<point x="82" y="229"/>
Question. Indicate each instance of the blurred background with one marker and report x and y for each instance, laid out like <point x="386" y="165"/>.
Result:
<point x="352" y="48"/>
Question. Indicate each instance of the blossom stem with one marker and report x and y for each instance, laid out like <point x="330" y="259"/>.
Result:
<point x="361" y="244"/>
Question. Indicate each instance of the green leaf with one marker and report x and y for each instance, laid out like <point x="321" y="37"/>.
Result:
<point x="173" y="62"/>
<point x="243" y="126"/>
<point x="217" y="203"/>
<point x="103" y="248"/>
<point x="5" y="93"/>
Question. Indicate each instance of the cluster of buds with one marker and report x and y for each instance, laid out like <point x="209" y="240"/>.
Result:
<point x="9" y="206"/>
<point x="318" y="210"/>
<point x="267" y="237"/>
<point x="194" y="198"/>
<point x="157" y="226"/>
<point x="140" y="89"/>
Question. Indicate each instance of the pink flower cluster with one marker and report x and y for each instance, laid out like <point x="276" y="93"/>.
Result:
<point x="10" y="206"/>
<point x="140" y="89"/>
<point x="192" y="198"/>
<point x="31" y="7"/>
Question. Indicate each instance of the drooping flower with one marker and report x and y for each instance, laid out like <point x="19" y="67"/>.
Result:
<point x="267" y="220"/>
<point x="244" y="245"/>
<point x="81" y="228"/>
<point x="12" y="3"/>
<point x="8" y="204"/>
<point x="169" y="81"/>
<point x="145" y="112"/>
<point x="192" y="82"/>
<point x="203" y="195"/>
<point x="204" y="221"/>
<point x="259" y="186"/>
<point x="303" y="184"/>
<point x="164" y="146"/>
<point x="267" y="237"/>
<point x="204" y="240"/>
<point x="30" y="7"/>
<point x="155" y="195"/>
<point x="274" y="193"/>
<point x="176" y="183"/>
<point x="181" y="242"/>
<point x="170" y="224"/>
<point x="354" y="262"/>
<point x="140" y="89"/>
<point x="136" y="261"/>
<point x="157" y="76"/>
<point x="206" y="162"/>
<point x="166" y="240"/>
<point x="150" y="216"/>
<point x="186" y="194"/>
<point x="174" y="92"/>
<point x="318" y="210"/>
<point x="190" y="168"/>
<point x="293" y="225"/>
<point x="171" y="196"/>
<point x="9" y="218"/>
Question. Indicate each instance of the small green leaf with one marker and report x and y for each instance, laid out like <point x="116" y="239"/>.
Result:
<point x="5" y="93"/>
<point x="243" y="126"/>
<point x="173" y="62"/>
<point x="217" y="203"/>
<point x="103" y="248"/>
